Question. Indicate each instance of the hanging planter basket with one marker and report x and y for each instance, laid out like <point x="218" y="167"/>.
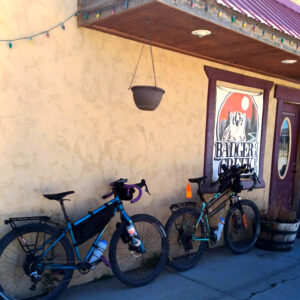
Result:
<point x="147" y="97"/>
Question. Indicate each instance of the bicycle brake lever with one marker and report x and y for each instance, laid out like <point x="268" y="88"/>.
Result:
<point x="146" y="188"/>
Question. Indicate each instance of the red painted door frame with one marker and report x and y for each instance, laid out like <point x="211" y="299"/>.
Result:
<point x="287" y="106"/>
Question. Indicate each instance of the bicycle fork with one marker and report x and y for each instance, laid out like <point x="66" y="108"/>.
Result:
<point x="243" y="215"/>
<point x="130" y="234"/>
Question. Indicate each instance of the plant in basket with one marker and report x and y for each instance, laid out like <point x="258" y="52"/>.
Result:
<point x="279" y="228"/>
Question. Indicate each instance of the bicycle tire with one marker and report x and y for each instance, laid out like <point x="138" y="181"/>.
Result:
<point x="180" y="256"/>
<point x="20" y="289"/>
<point x="147" y="266"/>
<point x="238" y="238"/>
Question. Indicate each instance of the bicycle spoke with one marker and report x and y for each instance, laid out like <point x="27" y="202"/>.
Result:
<point x="19" y="265"/>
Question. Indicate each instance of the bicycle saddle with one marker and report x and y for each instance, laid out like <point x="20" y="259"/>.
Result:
<point x="58" y="196"/>
<point x="198" y="180"/>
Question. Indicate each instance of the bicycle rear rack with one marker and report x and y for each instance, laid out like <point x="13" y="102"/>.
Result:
<point x="41" y="219"/>
<point x="176" y="206"/>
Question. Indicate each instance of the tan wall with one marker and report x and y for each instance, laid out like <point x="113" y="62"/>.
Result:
<point x="68" y="121"/>
<point x="296" y="1"/>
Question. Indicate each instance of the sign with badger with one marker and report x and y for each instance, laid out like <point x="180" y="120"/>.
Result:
<point x="237" y="130"/>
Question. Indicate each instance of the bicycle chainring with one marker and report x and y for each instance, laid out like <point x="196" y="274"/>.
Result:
<point x="84" y="267"/>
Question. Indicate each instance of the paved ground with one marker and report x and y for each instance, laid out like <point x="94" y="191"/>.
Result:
<point x="257" y="275"/>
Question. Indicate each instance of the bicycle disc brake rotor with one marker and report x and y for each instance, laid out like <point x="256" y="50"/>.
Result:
<point x="31" y="265"/>
<point x="135" y="254"/>
<point x="237" y="221"/>
<point x="185" y="239"/>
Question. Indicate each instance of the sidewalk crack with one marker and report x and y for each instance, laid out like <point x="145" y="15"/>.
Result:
<point x="272" y="285"/>
<point x="206" y="286"/>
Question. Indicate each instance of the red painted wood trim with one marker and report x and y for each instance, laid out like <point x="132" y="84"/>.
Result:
<point x="286" y="93"/>
<point x="213" y="75"/>
<point x="282" y="93"/>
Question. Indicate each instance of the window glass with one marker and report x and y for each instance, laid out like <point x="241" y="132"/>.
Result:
<point x="284" y="147"/>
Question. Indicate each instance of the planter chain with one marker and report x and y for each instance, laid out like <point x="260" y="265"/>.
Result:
<point x="136" y="66"/>
<point x="152" y="60"/>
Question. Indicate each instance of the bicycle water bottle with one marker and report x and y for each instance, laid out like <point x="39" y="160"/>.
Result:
<point x="98" y="252"/>
<point x="220" y="228"/>
<point x="133" y="234"/>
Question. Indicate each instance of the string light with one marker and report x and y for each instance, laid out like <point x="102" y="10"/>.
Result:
<point x="233" y="20"/>
<point x="45" y="32"/>
<point x="125" y="4"/>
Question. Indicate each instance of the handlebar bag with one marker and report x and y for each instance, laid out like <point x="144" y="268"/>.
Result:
<point x="93" y="225"/>
<point x="124" y="193"/>
<point x="225" y="184"/>
<point x="237" y="185"/>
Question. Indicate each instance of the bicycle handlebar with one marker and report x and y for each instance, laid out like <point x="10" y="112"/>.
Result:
<point x="237" y="172"/>
<point x="121" y="184"/>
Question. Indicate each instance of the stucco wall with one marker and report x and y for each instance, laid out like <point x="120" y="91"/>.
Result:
<point x="68" y="121"/>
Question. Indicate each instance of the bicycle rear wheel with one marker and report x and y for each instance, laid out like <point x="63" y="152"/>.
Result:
<point x="134" y="268"/>
<point x="184" y="253"/>
<point x="19" y="270"/>
<point x="242" y="225"/>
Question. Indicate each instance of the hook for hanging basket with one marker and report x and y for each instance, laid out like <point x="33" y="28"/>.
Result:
<point x="146" y="97"/>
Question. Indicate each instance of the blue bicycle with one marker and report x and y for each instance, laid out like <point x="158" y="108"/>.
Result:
<point x="37" y="260"/>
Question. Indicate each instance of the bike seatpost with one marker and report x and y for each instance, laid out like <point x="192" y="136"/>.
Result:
<point x="61" y="201"/>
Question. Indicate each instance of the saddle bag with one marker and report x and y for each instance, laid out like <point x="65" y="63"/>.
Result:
<point x="93" y="225"/>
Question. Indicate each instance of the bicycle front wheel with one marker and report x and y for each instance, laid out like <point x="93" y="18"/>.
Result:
<point x="184" y="252"/>
<point x="22" y="273"/>
<point x="132" y="267"/>
<point x="242" y="226"/>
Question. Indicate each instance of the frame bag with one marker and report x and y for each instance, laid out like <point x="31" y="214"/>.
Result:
<point x="93" y="225"/>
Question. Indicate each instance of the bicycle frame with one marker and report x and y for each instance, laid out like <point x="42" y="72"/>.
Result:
<point x="205" y="215"/>
<point x="118" y="207"/>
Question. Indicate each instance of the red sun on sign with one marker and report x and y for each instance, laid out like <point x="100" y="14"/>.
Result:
<point x="237" y="102"/>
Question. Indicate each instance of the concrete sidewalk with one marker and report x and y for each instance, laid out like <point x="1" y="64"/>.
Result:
<point x="220" y="274"/>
